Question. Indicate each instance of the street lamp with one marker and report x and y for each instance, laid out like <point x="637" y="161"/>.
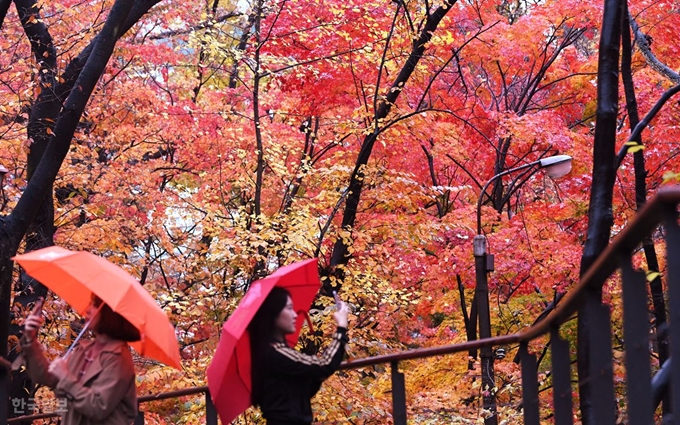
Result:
<point x="555" y="166"/>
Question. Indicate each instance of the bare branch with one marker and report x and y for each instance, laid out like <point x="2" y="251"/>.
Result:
<point x="201" y="26"/>
<point x="642" y="42"/>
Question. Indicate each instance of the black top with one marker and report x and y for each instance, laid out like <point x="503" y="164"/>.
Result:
<point x="291" y="379"/>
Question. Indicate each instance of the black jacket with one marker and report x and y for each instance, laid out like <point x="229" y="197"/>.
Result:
<point x="290" y="379"/>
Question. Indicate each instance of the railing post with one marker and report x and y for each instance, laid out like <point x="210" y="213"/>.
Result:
<point x="139" y="419"/>
<point x="398" y="395"/>
<point x="210" y="411"/>
<point x="4" y="395"/>
<point x="561" y="372"/>
<point x="529" y="386"/>
<point x="636" y="337"/>
<point x="673" y="268"/>
<point x="600" y="354"/>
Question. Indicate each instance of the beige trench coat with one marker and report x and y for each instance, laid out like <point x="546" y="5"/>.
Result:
<point x="104" y="395"/>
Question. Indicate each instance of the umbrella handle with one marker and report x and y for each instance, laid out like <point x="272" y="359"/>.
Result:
<point x="87" y="325"/>
<point x="308" y="319"/>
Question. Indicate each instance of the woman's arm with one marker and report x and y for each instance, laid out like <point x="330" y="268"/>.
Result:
<point x="36" y="363"/>
<point x="32" y="352"/>
<point x="293" y="363"/>
<point x="289" y="362"/>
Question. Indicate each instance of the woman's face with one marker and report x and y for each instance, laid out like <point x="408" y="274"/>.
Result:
<point x="285" y="321"/>
<point x="90" y="314"/>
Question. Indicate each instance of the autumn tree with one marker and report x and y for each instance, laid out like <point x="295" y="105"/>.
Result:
<point x="225" y="140"/>
<point x="601" y="217"/>
<point x="51" y="121"/>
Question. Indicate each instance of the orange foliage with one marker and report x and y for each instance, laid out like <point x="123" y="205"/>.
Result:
<point x="162" y="173"/>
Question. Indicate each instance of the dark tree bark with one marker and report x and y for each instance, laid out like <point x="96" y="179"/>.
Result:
<point x="600" y="217"/>
<point x="4" y="7"/>
<point x="242" y="44"/>
<point x="59" y="109"/>
<point x="15" y="226"/>
<point x="43" y="115"/>
<point x="655" y="285"/>
<point x="340" y="254"/>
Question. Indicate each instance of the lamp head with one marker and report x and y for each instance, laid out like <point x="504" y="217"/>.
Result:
<point x="3" y="171"/>
<point x="556" y="166"/>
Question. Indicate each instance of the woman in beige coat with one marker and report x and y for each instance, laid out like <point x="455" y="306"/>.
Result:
<point x="98" y="378"/>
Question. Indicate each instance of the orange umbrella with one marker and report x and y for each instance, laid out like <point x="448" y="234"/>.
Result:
<point x="76" y="275"/>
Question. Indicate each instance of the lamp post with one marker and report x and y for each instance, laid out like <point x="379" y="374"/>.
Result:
<point x="556" y="166"/>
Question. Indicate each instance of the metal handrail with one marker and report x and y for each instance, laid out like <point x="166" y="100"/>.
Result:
<point x="173" y="394"/>
<point x="627" y="240"/>
<point x="630" y="237"/>
<point x="143" y="399"/>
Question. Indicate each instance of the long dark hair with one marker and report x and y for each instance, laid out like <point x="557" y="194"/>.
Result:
<point x="260" y="330"/>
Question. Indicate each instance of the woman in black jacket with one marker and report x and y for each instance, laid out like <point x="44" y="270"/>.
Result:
<point x="283" y="379"/>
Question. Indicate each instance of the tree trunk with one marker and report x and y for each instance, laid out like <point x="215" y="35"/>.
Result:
<point x="655" y="285"/>
<point x="600" y="217"/>
<point x="340" y="254"/>
<point x="47" y="155"/>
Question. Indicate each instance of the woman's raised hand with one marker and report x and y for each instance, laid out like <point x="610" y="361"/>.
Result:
<point x="341" y="315"/>
<point x="31" y="325"/>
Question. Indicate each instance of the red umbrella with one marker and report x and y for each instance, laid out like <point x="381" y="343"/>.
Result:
<point x="229" y="378"/>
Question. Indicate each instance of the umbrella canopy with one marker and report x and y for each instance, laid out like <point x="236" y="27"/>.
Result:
<point x="229" y="377"/>
<point x="76" y="275"/>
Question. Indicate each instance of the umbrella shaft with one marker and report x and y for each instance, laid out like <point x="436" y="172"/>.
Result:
<point x="87" y="325"/>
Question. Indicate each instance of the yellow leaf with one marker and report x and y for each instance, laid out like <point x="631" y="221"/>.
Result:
<point x="652" y="275"/>
<point x="669" y="175"/>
